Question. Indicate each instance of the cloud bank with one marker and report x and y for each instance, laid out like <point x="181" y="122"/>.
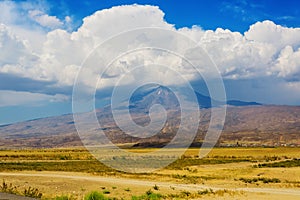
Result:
<point x="265" y="51"/>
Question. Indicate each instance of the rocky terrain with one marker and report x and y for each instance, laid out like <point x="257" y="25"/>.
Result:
<point x="246" y="124"/>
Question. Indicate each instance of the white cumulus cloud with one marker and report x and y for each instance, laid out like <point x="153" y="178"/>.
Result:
<point x="16" y="55"/>
<point x="14" y="98"/>
<point x="269" y="33"/>
<point x="265" y="50"/>
<point x="288" y="64"/>
<point x="45" y="20"/>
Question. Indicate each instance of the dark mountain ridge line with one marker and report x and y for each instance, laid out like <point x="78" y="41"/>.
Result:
<point x="249" y="126"/>
<point x="247" y="123"/>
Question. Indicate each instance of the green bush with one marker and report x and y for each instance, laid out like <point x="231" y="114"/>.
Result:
<point x="94" y="195"/>
<point x="148" y="196"/>
<point x="63" y="198"/>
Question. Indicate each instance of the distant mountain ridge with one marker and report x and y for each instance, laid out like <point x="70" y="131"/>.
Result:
<point x="155" y="94"/>
<point x="247" y="123"/>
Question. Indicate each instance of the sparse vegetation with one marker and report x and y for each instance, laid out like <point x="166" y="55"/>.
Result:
<point x="90" y="166"/>
<point x="106" y="192"/>
<point x="287" y="163"/>
<point x="28" y="192"/>
<point x="127" y="189"/>
<point x="202" y="194"/>
<point x="264" y="180"/>
<point x="186" y="161"/>
<point x="8" y="188"/>
<point x="149" y="195"/>
<point x="32" y="192"/>
<point x="94" y="195"/>
<point x="206" y="191"/>
<point x="221" y="166"/>
<point x="64" y="197"/>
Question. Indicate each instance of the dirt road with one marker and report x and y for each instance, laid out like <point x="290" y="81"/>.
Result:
<point x="133" y="182"/>
<point x="5" y="196"/>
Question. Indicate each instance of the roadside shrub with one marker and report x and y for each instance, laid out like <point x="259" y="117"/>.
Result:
<point x="32" y="192"/>
<point x="206" y="191"/>
<point x="155" y="187"/>
<point x="127" y="189"/>
<point x="94" y="195"/>
<point x="264" y="180"/>
<point x="201" y="194"/>
<point x="8" y="188"/>
<point x="185" y="193"/>
<point x="28" y="192"/>
<point x="65" y="197"/>
<point x="148" y="196"/>
<point x="106" y="192"/>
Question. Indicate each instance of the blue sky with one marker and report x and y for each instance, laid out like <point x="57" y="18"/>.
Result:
<point x="43" y="44"/>
<point x="209" y="14"/>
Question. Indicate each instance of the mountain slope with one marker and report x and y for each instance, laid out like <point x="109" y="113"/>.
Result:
<point x="248" y="123"/>
<point x="257" y="125"/>
<point x="145" y="97"/>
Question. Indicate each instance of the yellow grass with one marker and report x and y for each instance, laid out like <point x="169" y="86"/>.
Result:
<point x="226" y="175"/>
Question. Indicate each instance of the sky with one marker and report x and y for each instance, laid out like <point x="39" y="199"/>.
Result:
<point x="43" y="43"/>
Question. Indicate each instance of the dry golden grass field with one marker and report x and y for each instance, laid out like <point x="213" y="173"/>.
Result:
<point x="226" y="173"/>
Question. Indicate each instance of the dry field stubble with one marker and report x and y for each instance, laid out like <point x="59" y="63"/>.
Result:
<point x="223" y="168"/>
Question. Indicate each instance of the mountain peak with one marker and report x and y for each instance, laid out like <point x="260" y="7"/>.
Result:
<point x="146" y="96"/>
